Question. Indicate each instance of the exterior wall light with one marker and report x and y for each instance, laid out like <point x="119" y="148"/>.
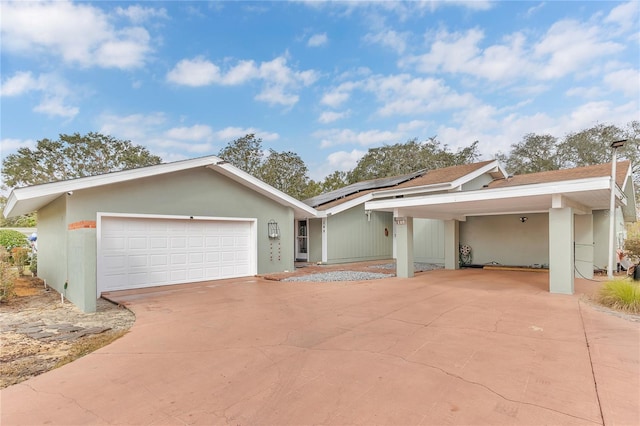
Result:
<point x="400" y="220"/>
<point x="273" y="230"/>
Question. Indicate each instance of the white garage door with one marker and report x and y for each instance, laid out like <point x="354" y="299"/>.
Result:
<point x="137" y="252"/>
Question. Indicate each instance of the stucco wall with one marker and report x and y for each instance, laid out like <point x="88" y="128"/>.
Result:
<point x="507" y="240"/>
<point x="428" y="240"/>
<point x="196" y="192"/>
<point x="353" y="237"/>
<point x="52" y="244"/>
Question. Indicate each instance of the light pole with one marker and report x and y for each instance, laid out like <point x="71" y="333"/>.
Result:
<point x="612" y="208"/>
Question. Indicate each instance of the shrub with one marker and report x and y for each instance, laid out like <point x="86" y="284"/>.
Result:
<point x="10" y="238"/>
<point x="623" y="295"/>
<point x="20" y="256"/>
<point x="33" y="265"/>
<point x="7" y="277"/>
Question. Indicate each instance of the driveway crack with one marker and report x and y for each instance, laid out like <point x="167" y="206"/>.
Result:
<point x="593" y="373"/>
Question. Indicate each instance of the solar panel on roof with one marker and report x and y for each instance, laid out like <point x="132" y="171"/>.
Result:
<point x="354" y="188"/>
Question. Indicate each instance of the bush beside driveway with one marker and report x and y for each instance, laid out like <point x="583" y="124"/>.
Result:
<point x="445" y="347"/>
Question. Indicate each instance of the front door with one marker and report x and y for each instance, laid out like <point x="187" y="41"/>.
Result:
<point x="302" y="252"/>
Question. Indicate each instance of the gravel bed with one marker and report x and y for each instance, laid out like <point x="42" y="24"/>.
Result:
<point x="339" y="276"/>
<point x="417" y="266"/>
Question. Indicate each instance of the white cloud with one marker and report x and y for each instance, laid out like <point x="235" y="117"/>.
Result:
<point x="333" y="137"/>
<point x="568" y="46"/>
<point x="626" y="81"/>
<point x="280" y="82"/>
<point x="55" y="106"/>
<point x="20" y="83"/>
<point x="404" y="95"/>
<point x="230" y="133"/>
<point x="139" y="14"/>
<point x="461" y="53"/>
<point x="55" y="92"/>
<point x="331" y="116"/>
<point x="389" y="38"/>
<point x="198" y="132"/>
<point x="11" y="144"/>
<point x="194" y="72"/>
<point x="134" y="127"/>
<point x="343" y="160"/>
<point x="317" y="40"/>
<point x="625" y="16"/>
<point x="334" y="99"/>
<point x="79" y="33"/>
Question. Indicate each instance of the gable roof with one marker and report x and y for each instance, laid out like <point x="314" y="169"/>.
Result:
<point x="598" y="170"/>
<point x="31" y="198"/>
<point x="424" y="181"/>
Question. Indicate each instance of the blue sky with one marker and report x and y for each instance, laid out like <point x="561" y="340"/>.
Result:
<point x="327" y="80"/>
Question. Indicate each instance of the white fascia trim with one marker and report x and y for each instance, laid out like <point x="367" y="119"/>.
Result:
<point x="346" y="206"/>
<point x="59" y="188"/>
<point x="100" y="215"/>
<point x="494" y="194"/>
<point x="265" y="189"/>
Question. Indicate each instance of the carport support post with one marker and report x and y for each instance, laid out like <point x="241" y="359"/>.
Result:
<point x="451" y="244"/>
<point x="404" y="235"/>
<point x="561" y="255"/>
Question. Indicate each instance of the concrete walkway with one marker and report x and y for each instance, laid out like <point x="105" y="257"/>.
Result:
<point x="468" y="347"/>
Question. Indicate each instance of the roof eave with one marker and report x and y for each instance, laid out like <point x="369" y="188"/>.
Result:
<point x="493" y="193"/>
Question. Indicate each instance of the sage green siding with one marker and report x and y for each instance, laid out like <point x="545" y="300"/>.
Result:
<point x="428" y="240"/>
<point x="81" y="268"/>
<point x="478" y="182"/>
<point x="507" y="240"/>
<point x="352" y="237"/>
<point x="315" y="240"/>
<point x="601" y="238"/>
<point x="52" y="243"/>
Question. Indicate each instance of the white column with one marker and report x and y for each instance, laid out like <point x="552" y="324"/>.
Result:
<point x="561" y="256"/>
<point x="325" y="225"/>
<point x="584" y="245"/>
<point x="404" y="262"/>
<point x="451" y="244"/>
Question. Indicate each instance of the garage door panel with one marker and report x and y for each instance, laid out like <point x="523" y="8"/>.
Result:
<point x="159" y="259"/>
<point x="111" y="243"/>
<point x="144" y="252"/>
<point x="178" y="259"/>
<point x="137" y="261"/>
<point x="178" y="242"/>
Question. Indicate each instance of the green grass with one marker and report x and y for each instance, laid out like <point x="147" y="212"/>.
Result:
<point x="622" y="295"/>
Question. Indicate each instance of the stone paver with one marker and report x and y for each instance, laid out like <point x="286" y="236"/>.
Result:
<point x="446" y="347"/>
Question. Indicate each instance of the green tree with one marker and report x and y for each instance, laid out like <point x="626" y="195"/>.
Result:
<point x="24" y="221"/>
<point x="535" y="153"/>
<point x="285" y="171"/>
<point x="593" y="146"/>
<point x="245" y="153"/>
<point x="402" y="158"/>
<point x="73" y="156"/>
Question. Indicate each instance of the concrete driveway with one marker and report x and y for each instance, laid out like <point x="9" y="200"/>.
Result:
<point x="465" y="347"/>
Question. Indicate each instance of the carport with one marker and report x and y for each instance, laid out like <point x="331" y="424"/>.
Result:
<point x="570" y="199"/>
